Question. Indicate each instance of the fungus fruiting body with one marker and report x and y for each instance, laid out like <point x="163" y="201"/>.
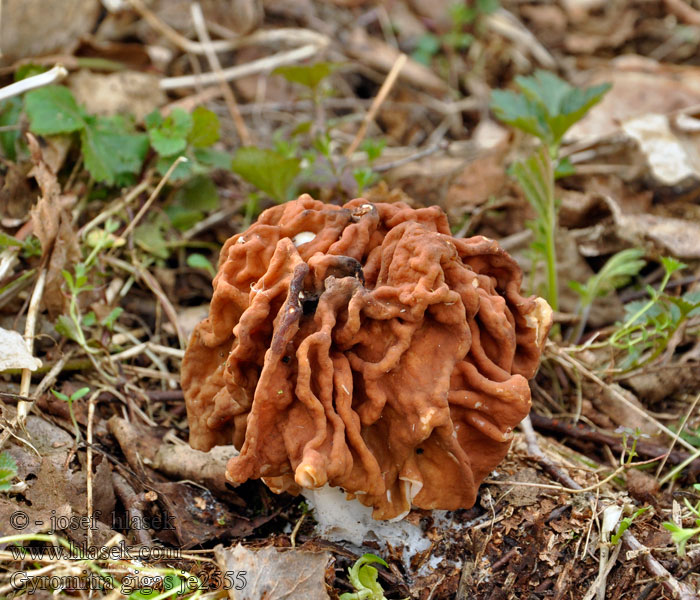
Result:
<point x="364" y="347"/>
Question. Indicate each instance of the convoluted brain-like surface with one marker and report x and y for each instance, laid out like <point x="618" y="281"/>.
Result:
<point x="366" y="348"/>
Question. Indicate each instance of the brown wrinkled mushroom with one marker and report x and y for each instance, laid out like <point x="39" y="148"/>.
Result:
<point x="366" y="348"/>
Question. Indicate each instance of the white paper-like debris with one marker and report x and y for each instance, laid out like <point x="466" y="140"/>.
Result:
<point x="669" y="159"/>
<point x="14" y="353"/>
<point x="348" y="520"/>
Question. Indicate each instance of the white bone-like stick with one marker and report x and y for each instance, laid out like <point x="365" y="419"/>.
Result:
<point x="58" y="73"/>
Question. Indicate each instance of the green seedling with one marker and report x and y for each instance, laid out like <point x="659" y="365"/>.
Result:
<point x="199" y="261"/>
<point x="73" y="324"/>
<point x="8" y="471"/>
<point x="77" y="395"/>
<point x="366" y="176"/>
<point x="625" y="524"/>
<point x="268" y="170"/>
<point x="463" y="16"/>
<point x="545" y="107"/>
<point x="112" y="150"/>
<point x="363" y="577"/>
<point x="682" y="535"/>
<point x="650" y="324"/>
<point x="617" y="272"/>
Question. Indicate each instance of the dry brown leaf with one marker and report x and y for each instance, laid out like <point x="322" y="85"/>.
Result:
<point x="31" y="28"/>
<point x="125" y="92"/>
<point x="276" y="574"/>
<point x="667" y="235"/>
<point x="635" y="80"/>
<point x="53" y="225"/>
<point x="379" y="55"/>
<point x="14" y="353"/>
<point x="478" y="181"/>
<point x="607" y="402"/>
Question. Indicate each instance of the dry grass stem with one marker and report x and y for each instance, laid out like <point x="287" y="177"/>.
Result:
<point x="376" y="104"/>
<point x="213" y="59"/>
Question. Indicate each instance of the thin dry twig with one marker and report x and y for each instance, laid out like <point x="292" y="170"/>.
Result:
<point x="236" y="72"/>
<point x="153" y="196"/>
<point x="25" y="383"/>
<point x="88" y="466"/>
<point x="54" y="75"/>
<point x="134" y="504"/>
<point x="572" y="362"/>
<point x="374" y="108"/>
<point x="691" y="411"/>
<point x="680" y="590"/>
<point x="213" y="59"/>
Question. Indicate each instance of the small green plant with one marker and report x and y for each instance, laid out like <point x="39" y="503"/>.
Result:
<point x="682" y="535"/>
<point x="74" y="324"/>
<point x="199" y="261"/>
<point x="625" y="524"/>
<point x="616" y="272"/>
<point x="304" y="157"/>
<point x="112" y="149"/>
<point x="463" y="16"/>
<point x="8" y="471"/>
<point x="77" y="395"/>
<point x="650" y="324"/>
<point x="28" y="248"/>
<point x="190" y="135"/>
<point x="545" y="107"/>
<point x="363" y="577"/>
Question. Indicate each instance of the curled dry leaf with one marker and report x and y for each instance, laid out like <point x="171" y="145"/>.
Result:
<point x="125" y="92"/>
<point x="53" y="225"/>
<point x="30" y="28"/>
<point x="14" y="353"/>
<point x="632" y="78"/>
<point x="275" y="574"/>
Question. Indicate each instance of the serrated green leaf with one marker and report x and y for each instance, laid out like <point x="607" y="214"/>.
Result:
<point x="267" y="170"/>
<point x="182" y="171"/>
<point x="169" y="137"/>
<point x="111" y="318"/>
<point x="183" y="218"/>
<point x="205" y="128"/>
<point x="149" y="237"/>
<point x="217" y="159"/>
<point x="10" y="111"/>
<point x="307" y="75"/>
<point x="199" y="193"/>
<point x="547" y="107"/>
<point x="89" y="319"/>
<point x="519" y="111"/>
<point x="109" y="151"/>
<point x="8" y="471"/>
<point x="52" y="110"/>
<point x="7" y="240"/>
<point x="199" y="261"/>
<point x="671" y="265"/>
<point x="373" y="148"/>
<point x="66" y="327"/>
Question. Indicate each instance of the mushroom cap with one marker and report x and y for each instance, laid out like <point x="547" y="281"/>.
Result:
<point x="366" y="348"/>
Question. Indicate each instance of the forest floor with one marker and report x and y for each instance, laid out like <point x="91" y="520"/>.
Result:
<point x="108" y="246"/>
